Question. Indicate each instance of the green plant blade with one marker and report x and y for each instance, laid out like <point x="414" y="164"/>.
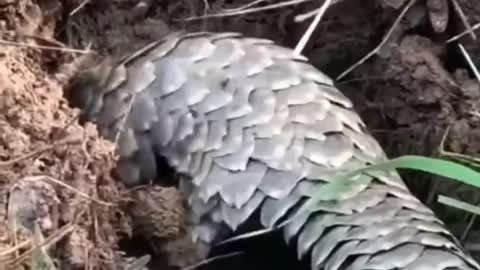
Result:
<point x="459" y="204"/>
<point x="439" y="167"/>
<point x="342" y="183"/>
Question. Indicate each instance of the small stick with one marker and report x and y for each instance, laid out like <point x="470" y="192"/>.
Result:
<point x="470" y="62"/>
<point x="384" y="40"/>
<point x="42" y="47"/>
<point x="306" y="36"/>
<point x="308" y="15"/>
<point x="246" y="11"/>
<point x="253" y="3"/>
<point x="54" y="238"/>
<point x="124" y="120"/>
<point x="475" y="27"/>
<point x="75" y="10"/>
<point x="39" y="151"/>
<point x="15" y="248"/>
<point x="464" y="19"/>
<point x="210" y="260"/>
<point x="62" y="184"/>
<point x="246" y="236"/>
<point x="468" y="228"/>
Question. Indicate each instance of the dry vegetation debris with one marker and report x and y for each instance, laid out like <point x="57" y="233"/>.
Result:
<point x="59" y="203"/>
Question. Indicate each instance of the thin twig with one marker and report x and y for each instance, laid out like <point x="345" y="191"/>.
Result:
<point x="86" y="255"/>
<point x="15" y="248"/>
<point x="372" y="78"/>
<point x="458" y="156"/>
<point x="39" y="38"/>
<point x="432" y="192"/>
<point x="212" y="259"/>
<point x="475" y="27"/>
<point x="265" y="230"/>
<point x="75" y="10"/>
<point x="308" y="15"/>
<point x="62" y="184"/>
<point x="471" y="221"/>
<point x="124" y="120"/>
<point x="246" y="11"/>
<point x="42" y="47"/>
<point x="206" y="9"/>
<point x="54" y="238"/>
<point x="253" y="3"/>
<point x="206" y="5"/>
<point x="305" y="16"/>
<point x="41" y="254"/>
<point x="464" y="19"/>
<point x="306" y="36"/>
<point x="15" y="236"/>
<point x="139" y="263"/>
<point x="248" y="235"/>
<point x="470" y="62"/>
<point x="69" y="123"/>
<point x="69" y="140"/>
<point x="384" y="40"/>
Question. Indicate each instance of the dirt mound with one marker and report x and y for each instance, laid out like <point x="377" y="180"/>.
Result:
<point x="56" y="189"/>
<point x="56" y="177"/>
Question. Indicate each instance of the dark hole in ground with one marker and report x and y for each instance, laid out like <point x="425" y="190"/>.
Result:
<point x="267" y="251"/>
<point x="260" y="253"/>
<point x="139" y="246"/>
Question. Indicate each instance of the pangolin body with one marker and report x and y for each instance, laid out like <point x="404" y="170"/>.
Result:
<point x="251" y="126"/>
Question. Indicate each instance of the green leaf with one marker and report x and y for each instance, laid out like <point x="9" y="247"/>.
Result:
<point x="342" y="183"/>
<point x="459" y="204"/>
<point x="439" y="167"/>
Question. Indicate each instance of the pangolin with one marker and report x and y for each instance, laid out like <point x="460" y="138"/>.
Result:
<point x="252" y="127"/>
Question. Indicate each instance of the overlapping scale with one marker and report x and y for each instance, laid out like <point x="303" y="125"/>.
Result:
<point x="254" y="127"/>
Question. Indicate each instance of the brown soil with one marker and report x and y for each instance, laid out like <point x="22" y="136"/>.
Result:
<point x="56" y="185"/>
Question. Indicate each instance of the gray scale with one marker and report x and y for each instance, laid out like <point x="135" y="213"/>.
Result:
<point x="254" y="127"/>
